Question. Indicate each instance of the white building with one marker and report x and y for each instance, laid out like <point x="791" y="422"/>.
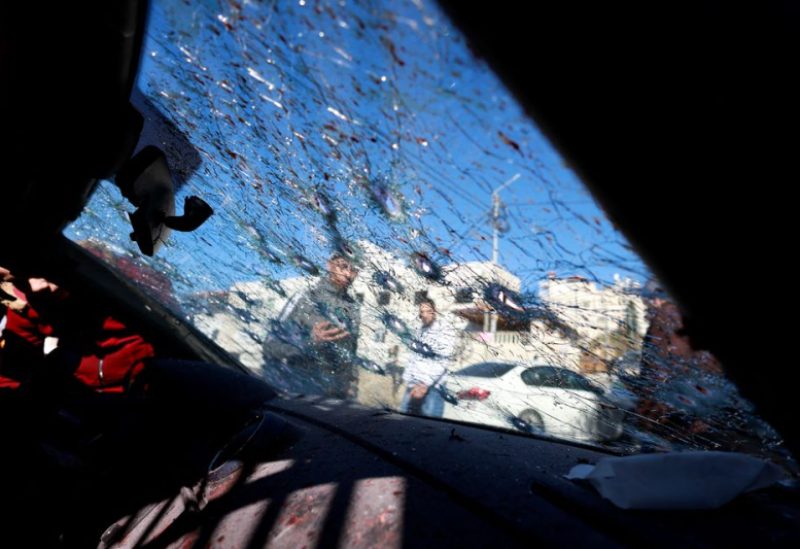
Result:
<point x="608" y="319"/>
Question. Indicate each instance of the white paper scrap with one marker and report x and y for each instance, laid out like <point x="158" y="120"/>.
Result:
<point x="677" y="480"/>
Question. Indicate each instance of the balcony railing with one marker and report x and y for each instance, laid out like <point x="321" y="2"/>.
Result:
<point x="501" y="337"/>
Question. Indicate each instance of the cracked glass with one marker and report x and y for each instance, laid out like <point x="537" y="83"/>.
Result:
<point x="391" y="228"/>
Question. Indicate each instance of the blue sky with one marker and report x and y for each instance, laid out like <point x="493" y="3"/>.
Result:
<point x="353" y="102"/>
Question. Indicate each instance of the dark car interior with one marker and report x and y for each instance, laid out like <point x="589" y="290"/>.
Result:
<point x="677" y="137"/>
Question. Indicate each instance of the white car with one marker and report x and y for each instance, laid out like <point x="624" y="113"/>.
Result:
<point x="540" y="399"/>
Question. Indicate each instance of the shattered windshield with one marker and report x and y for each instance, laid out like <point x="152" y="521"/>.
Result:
<point x="390" y="228"/>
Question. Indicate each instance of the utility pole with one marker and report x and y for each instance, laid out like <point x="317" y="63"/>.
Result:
<point x="496" y="217"/>
<point x="491" y="319"/>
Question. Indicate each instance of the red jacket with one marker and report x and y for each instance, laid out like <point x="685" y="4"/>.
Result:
<point x="113" y="358"/>
<point x="110" y="354"/>
<point x="23" y="339"/>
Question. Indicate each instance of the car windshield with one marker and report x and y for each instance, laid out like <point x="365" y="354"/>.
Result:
<point x="547" y="376"/>
<point x="387" y="217"/>
<point x="486" y="369"/>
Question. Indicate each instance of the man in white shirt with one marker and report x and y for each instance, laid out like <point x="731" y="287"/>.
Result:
<point x="426" y="370"/>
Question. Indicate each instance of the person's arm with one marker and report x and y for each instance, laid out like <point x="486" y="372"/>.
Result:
<point x="415" y="379"/>
<point x="324" y="331"/>
<point x="300" y="330"/>
<point x="287" y="335"/>
<point x="355" y="328"/>
<point x="420" y="366"/>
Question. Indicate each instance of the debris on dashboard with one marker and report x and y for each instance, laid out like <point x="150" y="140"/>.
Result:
<point x="677" y="480"/>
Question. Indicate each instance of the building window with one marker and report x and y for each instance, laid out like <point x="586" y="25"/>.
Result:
<point x="464" y="295"/>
